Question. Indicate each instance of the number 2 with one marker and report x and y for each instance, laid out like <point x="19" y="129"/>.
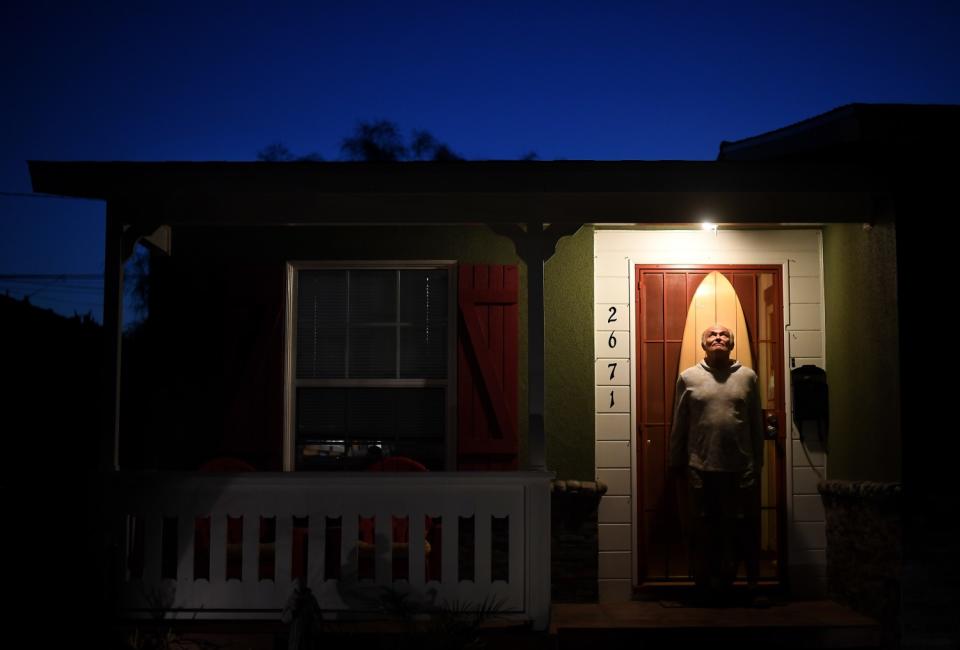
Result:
<point x="613" y="314"/>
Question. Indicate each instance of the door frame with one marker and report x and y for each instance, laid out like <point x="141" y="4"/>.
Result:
<point x="784" y="437"/>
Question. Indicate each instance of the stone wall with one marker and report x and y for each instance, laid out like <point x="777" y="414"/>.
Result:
<point x="574" y="543"/>
<point x="865" y="549"/>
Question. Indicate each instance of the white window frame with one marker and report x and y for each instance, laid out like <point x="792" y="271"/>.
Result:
<point x="291" y="383"/>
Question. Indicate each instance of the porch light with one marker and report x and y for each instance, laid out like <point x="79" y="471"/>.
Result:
<point x="709" y="226"/>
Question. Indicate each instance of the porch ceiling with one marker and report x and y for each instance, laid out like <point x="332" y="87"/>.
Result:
<point x="248" y="193"/>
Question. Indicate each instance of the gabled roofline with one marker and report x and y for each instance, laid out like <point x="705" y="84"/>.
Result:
<point x="848" y="124"/>
<point x="833" y="115"/>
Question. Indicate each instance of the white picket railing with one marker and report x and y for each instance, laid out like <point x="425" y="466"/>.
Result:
<point x="517" y="549"/>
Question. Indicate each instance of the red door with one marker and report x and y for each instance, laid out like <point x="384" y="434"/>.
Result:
<point x="664" y="294"/>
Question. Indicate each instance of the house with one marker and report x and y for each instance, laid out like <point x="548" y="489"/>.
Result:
<point x="502" y="325"/>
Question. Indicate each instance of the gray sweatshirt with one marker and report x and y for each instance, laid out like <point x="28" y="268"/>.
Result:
<point x="717" y="420"/>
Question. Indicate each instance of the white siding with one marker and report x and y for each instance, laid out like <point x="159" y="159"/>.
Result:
<point x="805" y="480"/>
<point x="614" y="564"/>
<point x="805" y="317"/>
<point x="614" y="537"/>
<point x="616" y="251"/>
<point x="613" y="454"/>
<point x="614" y="510"/>
<point x="814" y="456"/>
<point x="809" y="536"/>
<point x="616" y="480"/>
<point x="804" y="290"/>
<point x="613" y="426"/>
<point x="805" y="343"/>
<point x="807" y="508"/>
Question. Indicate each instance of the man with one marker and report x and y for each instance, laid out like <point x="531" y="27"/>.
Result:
<point x="717" y="435"/>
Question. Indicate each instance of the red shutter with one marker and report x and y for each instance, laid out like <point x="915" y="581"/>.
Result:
<point x="487" y="367"/>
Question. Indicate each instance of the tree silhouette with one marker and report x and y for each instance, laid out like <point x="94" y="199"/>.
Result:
<point x="378" y="141"/>
<point x="423" y="146"/>
<point x="279" y="152"/>
<point x="381" y="141"/>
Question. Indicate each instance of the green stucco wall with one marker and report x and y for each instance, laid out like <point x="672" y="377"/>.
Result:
<point x="568" y="296"/>
<point x="863" y="371"/>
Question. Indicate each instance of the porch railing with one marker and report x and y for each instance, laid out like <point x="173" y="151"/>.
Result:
<point x="231" y="546"/>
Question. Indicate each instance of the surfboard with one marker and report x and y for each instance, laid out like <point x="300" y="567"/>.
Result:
<point x="715" y="301"/>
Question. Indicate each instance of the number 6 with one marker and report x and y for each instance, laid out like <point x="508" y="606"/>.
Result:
<point x="612" y="341"/>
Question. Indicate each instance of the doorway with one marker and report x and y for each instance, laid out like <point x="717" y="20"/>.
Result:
<point x="751" y="297"/>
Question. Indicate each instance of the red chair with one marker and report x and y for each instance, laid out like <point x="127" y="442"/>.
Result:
<point x="225" y="465"/>
<point x="400" y="528"/>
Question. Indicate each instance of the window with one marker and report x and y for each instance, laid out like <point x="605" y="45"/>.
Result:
<point x="370" y="369"/>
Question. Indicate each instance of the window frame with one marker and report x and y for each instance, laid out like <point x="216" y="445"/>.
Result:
<point x="291" y="383"/>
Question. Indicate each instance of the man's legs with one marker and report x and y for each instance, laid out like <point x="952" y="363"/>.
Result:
<point x="713" y="539"/>
<point x="725" y="489"/>
<point x="748" y="532"/>
<point x="699" y="547"/>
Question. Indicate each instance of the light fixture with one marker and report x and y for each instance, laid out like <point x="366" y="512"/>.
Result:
<point x="707" y="225"/>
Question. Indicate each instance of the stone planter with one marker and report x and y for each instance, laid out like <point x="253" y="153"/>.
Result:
<point x="865" y="549"/>
<point x="574" y="541"/>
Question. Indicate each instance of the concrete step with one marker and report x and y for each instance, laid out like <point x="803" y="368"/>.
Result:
<point x="637" y="624"/>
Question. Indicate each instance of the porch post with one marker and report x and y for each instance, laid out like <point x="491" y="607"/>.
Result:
<point x="113" y="338"/>
<point x="536" y="437"/>
<point x="535" y="246"/>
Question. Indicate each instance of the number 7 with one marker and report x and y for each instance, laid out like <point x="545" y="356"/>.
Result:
<point x="613" y="369"/>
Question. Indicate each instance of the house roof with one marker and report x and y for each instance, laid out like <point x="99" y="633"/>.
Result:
<point x="871" y="133"/>
<point x="467" y="191"/>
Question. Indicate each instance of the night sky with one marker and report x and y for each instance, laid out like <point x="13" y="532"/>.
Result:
<point x="494" y="80"/>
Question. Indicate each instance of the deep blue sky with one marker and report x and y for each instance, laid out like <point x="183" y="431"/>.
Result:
<point x="221" y="80"/>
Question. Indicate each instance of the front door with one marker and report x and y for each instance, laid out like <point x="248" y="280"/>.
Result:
<point x="750" y="298"/>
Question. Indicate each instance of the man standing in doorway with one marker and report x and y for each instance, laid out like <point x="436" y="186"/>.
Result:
<point x="717" y="437"/>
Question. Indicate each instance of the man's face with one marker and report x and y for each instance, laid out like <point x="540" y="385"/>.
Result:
<point x="717" y="339"/>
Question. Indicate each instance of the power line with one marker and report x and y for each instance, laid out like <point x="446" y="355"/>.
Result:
<point x="40" y="300"/>
<point x="68" y="291"/>
<point x="53" y="283"/>
<point x="97" y="282"/>
<point x="51" y="276"/>
<point x="40" y="195"/>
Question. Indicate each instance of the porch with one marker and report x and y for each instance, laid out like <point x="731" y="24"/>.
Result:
<point x="232" y="546"/>
<point x="643" y="624"/>
<point x="662" y="624"/>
